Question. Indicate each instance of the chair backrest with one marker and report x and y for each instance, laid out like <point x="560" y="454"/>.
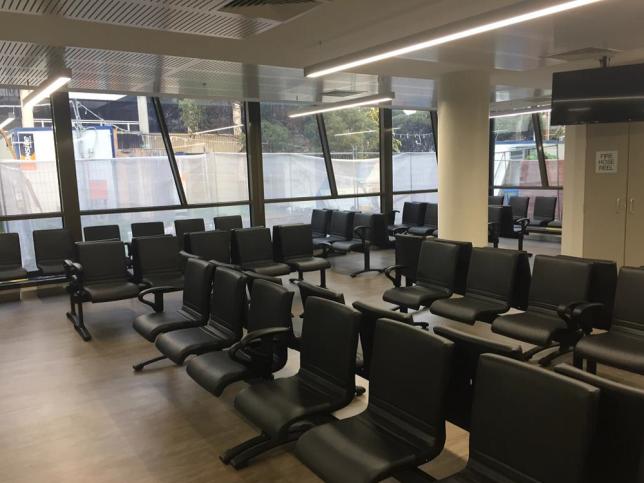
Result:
<point x="102" y="261"/>
<point x="379" y="235"/>
<point x="231" y="222"/>
<point x="467" y="350"/>
<point x="53" y="246"/>
<point x="431" y="215"/>
<point x="209" y="245"/>
<point x="413" y="213"/>
<point x="437" y="264"/>
<point x="529" y="424"/>
<point x="320" y="221"/>
<point x="557" y="281"/>
<point x="495" y="200"/>
<point x="228" y="303"/>
<point x="617" y="451"/>
<point x="492" y="273"/>
<point x="362" y="219"/>
<point x="341" y="224"/>
<point x="370" y="315"/>
<point x="10" y="256"/>
<point x="181" y="227"/>
<point x="292" y="241"/>
<point x="544" y="207"/>
<point x="149" y="228"/>
<point x="502" y="216"/>
<point x="330" y="324"/>
<point x="251" y="245"/>
<point x="519" y="206"/>
<point x="155" y="254"/>
<point x="309" y="290"/>
<point x="628" y="313"/>
<point x="102" y="232"/>
<point x="407" y="252"/>
<point x="412" y="399"/>
<point x="197" y="287"/>
<point x="462" y="264"/>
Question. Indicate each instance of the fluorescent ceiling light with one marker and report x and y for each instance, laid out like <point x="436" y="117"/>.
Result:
<point x="519" y="113"/>
<point x="494" y="20"/>
<point x="95" y="96"/>
<point x="219" y="129"/>
<point x="52" y="84"/>
<point x="338" y="106"/>
<point x="7" y="121"/>
<point x="409" y="112"/>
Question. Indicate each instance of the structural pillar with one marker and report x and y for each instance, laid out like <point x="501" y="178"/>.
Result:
<point x="463" y="163"/>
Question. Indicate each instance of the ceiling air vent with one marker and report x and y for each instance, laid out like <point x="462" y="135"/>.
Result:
<point x="277" y="10"/>
<point x="341" y="93"/>
<point x="587" y="53"/>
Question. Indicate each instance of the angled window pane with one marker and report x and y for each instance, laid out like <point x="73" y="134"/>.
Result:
<point x="515" y="154"/>
<point x="554" y="148"/>
<point x="354" y="141"/>
<point x="121" y="161"/>
<point x="414" y="159"/>
<point x="28" y="173"/>
<point x="292" y="153"/>
<point x="209" y="143"/>
<point x="300" y="211"/>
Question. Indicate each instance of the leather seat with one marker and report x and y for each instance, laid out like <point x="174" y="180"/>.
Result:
<point x="544" y="210"/>
<point x="227" y="223"/>
<point x="404" y="423"/>
<point x="359" y="241"/>
<point x="51" y="249"/>
<point x="430" y="222"/>
<point x="148" y="228"/>
<point x="340" y="228"/>
<point x="309" y="290"/>
<point x="293" y="245"/>
<point x="108" y="291"/>
<point x="183" y="227"/>
<point x="416" y="296"/>
<point x="320" y="223"/>
<point x="252" y="249"/>
<point x="533" y="327"/>
<point x="272" y="269"/>
<point x="413" y="215"/>
<point x="469" y="309"/>
<point x="101" y="233"/>
<point x="11" y="258"/>
<point x="306" y="264"/>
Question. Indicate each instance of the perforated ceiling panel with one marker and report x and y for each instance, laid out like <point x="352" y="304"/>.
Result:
<point x="200" y="17"/>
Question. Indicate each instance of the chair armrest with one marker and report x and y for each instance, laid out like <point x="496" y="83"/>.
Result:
<point x="394" y="268"/>
<point x="523" y="223"/>
<point x="74" y="273"/>
<point x="219" y="264"/>
<point x="254" y="337"/>
<point x="580" y="314"/>
<point x="187" y="255"/>
<point x="399" y="230"/>
<point x="161" y="289"/>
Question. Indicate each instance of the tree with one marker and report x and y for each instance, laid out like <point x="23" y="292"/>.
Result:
<point x="191" y="113"/>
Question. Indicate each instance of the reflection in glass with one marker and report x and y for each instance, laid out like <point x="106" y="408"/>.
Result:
<point x="414" y="158"/>
<point x="515" y="154"/>
<point x="300" y="212"/>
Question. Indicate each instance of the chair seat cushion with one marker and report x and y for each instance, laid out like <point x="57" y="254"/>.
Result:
<point x="273" y="406"/>
<point x="469" y="309"/>
<point x="214" y="371"/>
<point x="532" y="327"/>
<point x="272" y="269"/>
<point x="12" y="273"/>
<point x="151" y="325"/>
<point x="416" y="296"/>
<point x="355" y="450"/>
<point x="347" y="245"/>
<point x="397" y="227"/>
<point x="109" y="291"/>
<point x="617" y="348"/>
<point x="423" y="230"/>
<point x="327" y="239"/>
<point x="179" y="344"/>
<point x="51" y="268"/>
<point x="308" y="264"/>
<point x="170" y="279"/>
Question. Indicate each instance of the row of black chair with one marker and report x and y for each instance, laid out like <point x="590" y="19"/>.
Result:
<point x="418" y="218"/>
<point x="544" y="208"/>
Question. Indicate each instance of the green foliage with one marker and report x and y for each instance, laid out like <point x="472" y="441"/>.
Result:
<point x="192" y="114"/>
<point x="418" y="125"/>
<point x="363" y="122"/>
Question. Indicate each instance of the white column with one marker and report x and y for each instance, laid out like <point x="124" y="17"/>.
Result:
<point x="27" y="115"/>
<point x="572" y="239"/>
<point x="463" y="156"/>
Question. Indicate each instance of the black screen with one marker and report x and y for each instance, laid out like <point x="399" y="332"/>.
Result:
<point x="612" y="94"/>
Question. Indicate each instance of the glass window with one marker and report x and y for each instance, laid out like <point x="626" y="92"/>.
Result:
<point x="508" y="193"/>
<point x="554" y="148"/>
<point x="414" y="151"/>
<point x="292" y="154"/>
<point x="121" y="160"/>
<point x="209" y="143"/>
<point x="515" y="153"/>
<point x="400" y="200"/>
<point x="24" y="228"/>
<point x="28" y="174"/>
<point x="300" y="212"/>
<point x="124" y="220"/>
<point x="354" y="142"/>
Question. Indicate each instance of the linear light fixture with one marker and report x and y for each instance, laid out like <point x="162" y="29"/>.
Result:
<point x="219" y="129"/>
<point x="338" y="106"/>
<point x="7" y="121"/>
<point x="519" y="113"/>
<point x="95" y="96"/>
<point x="52" y="84"/>
<point x="487" y="22"/>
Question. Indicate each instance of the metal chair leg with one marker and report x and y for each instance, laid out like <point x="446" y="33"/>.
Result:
<point x="139" y="367"/>
<point x="367" y="264"/>
<point x="323" y="278"/>
<point x="75" y="316"/>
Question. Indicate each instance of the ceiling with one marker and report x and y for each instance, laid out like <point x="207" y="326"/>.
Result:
<point x="257" y="49"/>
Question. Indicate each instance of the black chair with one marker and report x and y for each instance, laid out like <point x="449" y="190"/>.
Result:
<point x="182" y="227"/>
<point x="467" y="350"/>
<point x="404" y="424"/>
<point x="101" y="233"/>
<point x="370" y="315"/>
<point x="617" y="450"/>
<point x="309" y="290"/>
<point x="362" y="227"/>
<point x="149" y="228"/>
<point x="435" y="277"/>
<point x="340" y="229"/>
<point x="519" y="205"/>
<point x="502" y="225"/>
<point x="51" y="249"/>
<point x="260" y="353"/>
<point x="157" y="266"/>
<point x="194" y="309"/>
<point x="623" y="345"/>
<point x="99" y="275"/>
<point x="231" y="222"/>
<point x="495" y="200"/>
<point x="293" y="245"/>
<point x="224" y="326"/>
<point x="413" y="215"/>
<point x="544" y="210"/>
<point x="379" y="235"/>
<point x="285" y="408"/>
<point x="407" y="253"/>
<point x="213" y="245"/>
<point x="252" y="249"/>
<point x="430" y="222"/>
<point x="320" y="222"/>
<point x="558" y="310"/>
<point x="10" y="258"/>
<point x="495" y="279"/>
<point x="528" y="425"/>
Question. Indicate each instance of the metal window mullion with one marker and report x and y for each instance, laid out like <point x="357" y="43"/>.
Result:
<point x="386" y="160"/>
<point x="328" y="162"/>
<point x="491" y="152"/>
<point x="433" y="116"/>
<point x="165" y="135"/>
<point x="541" y="155"/>
<point x="253" y="120"/>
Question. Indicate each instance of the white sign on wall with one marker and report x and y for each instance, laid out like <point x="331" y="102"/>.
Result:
<point x="606" y="162"/>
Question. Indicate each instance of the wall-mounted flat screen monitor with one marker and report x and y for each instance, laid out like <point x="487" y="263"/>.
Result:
<point x="610" y="94"/>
